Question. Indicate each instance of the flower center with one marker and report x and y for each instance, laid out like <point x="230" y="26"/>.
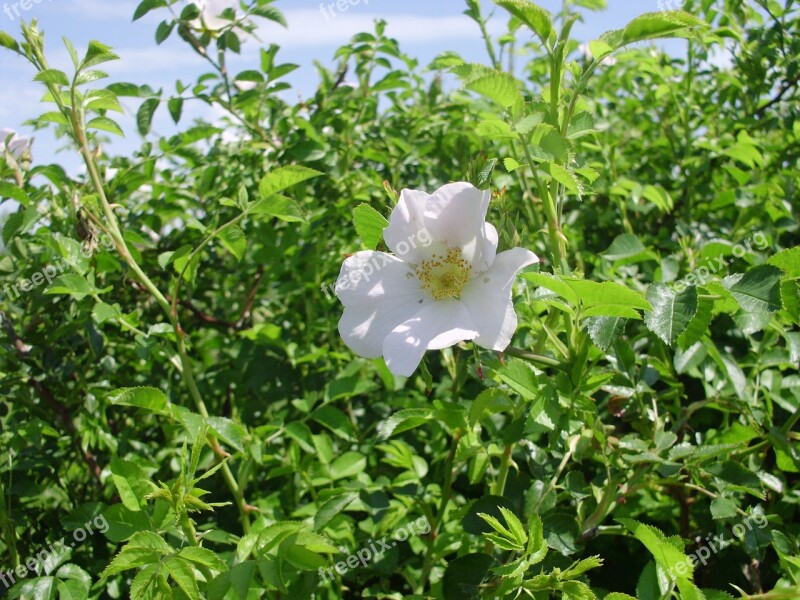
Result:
<point x="445" y="275"/>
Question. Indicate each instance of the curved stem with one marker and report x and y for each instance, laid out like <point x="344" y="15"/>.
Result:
<point x="436" y="526"/>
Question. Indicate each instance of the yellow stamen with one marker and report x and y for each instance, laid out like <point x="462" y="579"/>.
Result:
<point x="444" y="276"/>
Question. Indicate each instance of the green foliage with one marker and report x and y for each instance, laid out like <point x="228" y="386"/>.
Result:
<point x="173" y="380"/>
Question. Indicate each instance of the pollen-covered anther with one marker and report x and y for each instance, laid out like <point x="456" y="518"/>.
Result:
<point x="444" y="276"/>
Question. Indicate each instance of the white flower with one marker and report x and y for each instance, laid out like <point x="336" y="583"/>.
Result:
<point x="210" y="11"/>
<point x="17" y="144"/>
<point x="444" y="282"/>
<point x="245" y="86"/>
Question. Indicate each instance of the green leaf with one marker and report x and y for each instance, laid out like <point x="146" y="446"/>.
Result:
<point x="520" y="377"/>
<point x="204" y="557"/>
<point x="6" y="41"/>
<point x="144" y="116"/>
<point x="666" y="555"/>
<point x="278" y="206"/>
<point x="532" y="15"/>
<point x="163" y="31"/>
<point x="72" y="284"/>
<point x="554" y="284"/>
<point x="146" y="6"/>
<point x="105" y="124"/>
<point x="146" y="398"/>
<point x="787" y="261"/>
<point x="234" y="240"/>
<point x="146" y="582"/>
<point x="132" y="558"/>
<point x="53" y="76"/>
<point x="464" y="574"/>
<point x="698" y="325"/>
<point x="671" y="312"/>
<point x="604" y="331"/>
<point x="649" y="26"/>
<point x="495" y="129"/>
<point x="592" y="293"/>
<point x="285" y="177"/>
<point x="499" y="87"/>
<point x="759" y="289"/>
<point x="369" y="225"/>
<point x="97" y="53"/>
<point x="627" y="248"/>
<point x="564" y="176"/>
<point x="229" y="431"/>
<point x="331" y="508"/>
<point x="175" y="106"/>
<point x="348" y="465"/>
<point x="403" y="420"/>
<point x="72" y="589"/>
<point x="128" y="478"/>
<point x="723" y="508"/>
<point x="182" y="573"/>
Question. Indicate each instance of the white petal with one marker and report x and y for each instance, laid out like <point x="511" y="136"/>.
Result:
<point x="437" y="325"/>
<point x="211" y="11"/>
<point x="379" y="292"/>
<point x="456" y="212"/>
<point x="488" y="299"/>
<point x="482" y="251"/>
<point x="406" y="234"/>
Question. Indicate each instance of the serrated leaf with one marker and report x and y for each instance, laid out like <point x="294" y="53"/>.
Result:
<point x="499" y="87"/>
<point x="532" y="15"/>
<point x="182" y="573"/>
<point x="604" y="331"/>
<point x="698" y="325"/>
<point x="285" y="177"/>
<point x="369" y="225"/>
<point x="672" y="311"/>
<point x="759" y="289"/>
<point x="787" y="261"/>
<point x="53" y="76"/>
<point x="564" y="176"/>
<point x="673" y="23"/>
<point x="203" y="556"/>
<point x="403" y="420"/>
<point x="234" y="240"/>
<point x="105" y="124"/>
<point x="146" y="398"/>
<point x="666" y="555"/>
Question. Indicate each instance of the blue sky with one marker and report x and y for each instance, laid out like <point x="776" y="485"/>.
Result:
<point x="424" y="29"/>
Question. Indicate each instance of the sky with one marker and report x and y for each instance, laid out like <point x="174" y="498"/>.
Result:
<point x="424" y="29"/>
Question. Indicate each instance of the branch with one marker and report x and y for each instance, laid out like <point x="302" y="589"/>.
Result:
<point x="47" y="396"/>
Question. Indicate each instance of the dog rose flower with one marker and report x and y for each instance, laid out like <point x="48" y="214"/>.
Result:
<point x="211" y="11"/>
<point x="443" y="283"/>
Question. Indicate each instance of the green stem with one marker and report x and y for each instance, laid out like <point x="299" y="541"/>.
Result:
<point x="534" y="358"/>
<point x="76" y="117"/>
<point x="437" y="524"/>
<point x="502" y="473"/>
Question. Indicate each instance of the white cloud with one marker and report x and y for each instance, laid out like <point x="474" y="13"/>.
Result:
<point x="100" y="10"/>
<point x="309" y="28"/>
